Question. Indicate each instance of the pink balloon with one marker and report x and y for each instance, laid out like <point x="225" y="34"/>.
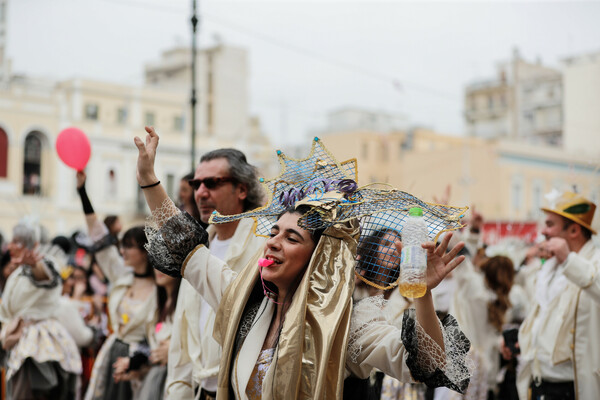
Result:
<point x="73" y="148"/>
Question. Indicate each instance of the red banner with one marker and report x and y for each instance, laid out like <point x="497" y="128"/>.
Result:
<point x="493" y="232"/>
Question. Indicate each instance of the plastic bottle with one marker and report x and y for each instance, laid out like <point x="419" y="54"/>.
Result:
<point x="413" y="260"/>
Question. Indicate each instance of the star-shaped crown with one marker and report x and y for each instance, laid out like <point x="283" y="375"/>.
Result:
<point x="330" y="188"/>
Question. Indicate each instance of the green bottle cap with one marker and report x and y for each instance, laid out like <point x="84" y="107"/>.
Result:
<point x="415" y="212"/>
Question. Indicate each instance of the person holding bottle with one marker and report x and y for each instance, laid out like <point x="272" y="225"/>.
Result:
<point x="287" y="326"/>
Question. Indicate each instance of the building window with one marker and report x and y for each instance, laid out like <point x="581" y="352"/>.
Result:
<point x="140" y="201"/>
<point x="472" y="104"/>
<point x="91" y="112"/>
<point x="170" y="186"/>
<point x="209" y="117"/>
<point x="503" y="100"/>
<point x="365" y="150"/>
<point x="112" y="184"/>
<point x="529" y="116"/>
<point x="149" y="119"/>
<point x="32" y="165"/>
<point x="537" y="196"/>
<point x="3" y="154"/>
<point x="517" y="194"/>
<point x="178" y="123"/>
<point x="384" y="152"/>
<point x="122" y="115"/>
<point x="490" y="100"/>
<point x="595" y="195"/>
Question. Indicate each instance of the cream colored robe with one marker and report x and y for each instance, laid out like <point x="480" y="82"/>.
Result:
<point x="191" y="357"/>
<point x="43" y="337"/>
<point x="571" y="330"/>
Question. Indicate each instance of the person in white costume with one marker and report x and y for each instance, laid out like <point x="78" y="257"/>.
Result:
<point x="223" y="181"/>
<point x="560" y="350"/>
<point x="43" y="360"/>
<point x="131" y="301"/>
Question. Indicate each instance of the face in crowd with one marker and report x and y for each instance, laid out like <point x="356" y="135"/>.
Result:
<point x="290" y="247"/>
<point x="217" y="190"/>
<point x="377" y="257"/>
<point x="185" y="192"/>
<point x="555" y="226"/>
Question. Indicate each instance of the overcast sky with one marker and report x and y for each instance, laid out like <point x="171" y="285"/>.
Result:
<point x="308" y="58"/>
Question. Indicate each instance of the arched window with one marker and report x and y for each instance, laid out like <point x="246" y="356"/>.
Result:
<point x="111" y="184"/>
<point x="32" y="164"/>
<point x="3" y="154"/>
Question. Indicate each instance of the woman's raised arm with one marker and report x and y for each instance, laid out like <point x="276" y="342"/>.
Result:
<point x="172" y="234"/>
<point x="439" y="264"/>
<point x="155" y="194"/>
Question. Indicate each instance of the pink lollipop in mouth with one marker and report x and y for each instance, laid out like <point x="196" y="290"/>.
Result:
<point x="271" y="295"/>
<point x="264" y="262"/>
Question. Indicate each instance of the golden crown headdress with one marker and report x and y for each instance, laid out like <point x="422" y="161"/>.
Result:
<point x="330" y="188"/>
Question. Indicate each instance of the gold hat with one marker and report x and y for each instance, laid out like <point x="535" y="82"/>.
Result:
<point x="574" y="207"/>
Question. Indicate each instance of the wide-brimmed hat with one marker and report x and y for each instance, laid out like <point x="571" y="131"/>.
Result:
<point x="574" y="207"/>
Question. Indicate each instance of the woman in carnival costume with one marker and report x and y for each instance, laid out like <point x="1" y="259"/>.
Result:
<point x="286" y="322"/>
<point x="43" y="360"/>
<point x="131" y="301"/>
<point x="152" y="367"/>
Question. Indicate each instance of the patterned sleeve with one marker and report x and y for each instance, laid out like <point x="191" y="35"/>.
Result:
<point x="426" y="360"/>
<point x="172" y="235"/>
<point x="53" y="275"/>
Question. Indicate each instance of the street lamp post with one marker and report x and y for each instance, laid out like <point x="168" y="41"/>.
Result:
<point x="193" y="98"/>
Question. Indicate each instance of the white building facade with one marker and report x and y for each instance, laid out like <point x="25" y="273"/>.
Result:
<point x="524" y="103"/>
<point x="33" y="181"/>
<point x="582" y="104"/>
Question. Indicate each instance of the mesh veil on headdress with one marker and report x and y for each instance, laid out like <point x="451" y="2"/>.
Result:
<point x="330" y="187"/>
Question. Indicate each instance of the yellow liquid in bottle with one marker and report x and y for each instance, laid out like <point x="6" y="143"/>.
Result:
<point x="412" y="290"/>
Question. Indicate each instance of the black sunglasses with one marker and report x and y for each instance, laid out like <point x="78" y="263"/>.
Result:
<point x="210" y="183"/>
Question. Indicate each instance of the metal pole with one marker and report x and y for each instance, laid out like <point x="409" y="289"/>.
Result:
<point x="193" y="98"/>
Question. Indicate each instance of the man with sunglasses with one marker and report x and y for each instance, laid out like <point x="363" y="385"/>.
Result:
<point x="560" y="349"/>
<point x="223" y="181"/>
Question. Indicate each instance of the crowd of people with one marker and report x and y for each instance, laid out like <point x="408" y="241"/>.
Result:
<point x="184" y="309"/>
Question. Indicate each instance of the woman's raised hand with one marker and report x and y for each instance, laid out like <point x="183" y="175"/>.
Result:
<point x="147" y="153"/>
<point x="440" y="263"/>
<point x="29" y="257"/>
<point x="81" y="177"/>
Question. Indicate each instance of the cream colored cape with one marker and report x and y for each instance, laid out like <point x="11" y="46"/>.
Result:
<point x="309" y="362"/>
<point x="312" y="346"/>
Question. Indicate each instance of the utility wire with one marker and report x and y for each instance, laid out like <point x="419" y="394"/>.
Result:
<point x="398" y="84"/>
